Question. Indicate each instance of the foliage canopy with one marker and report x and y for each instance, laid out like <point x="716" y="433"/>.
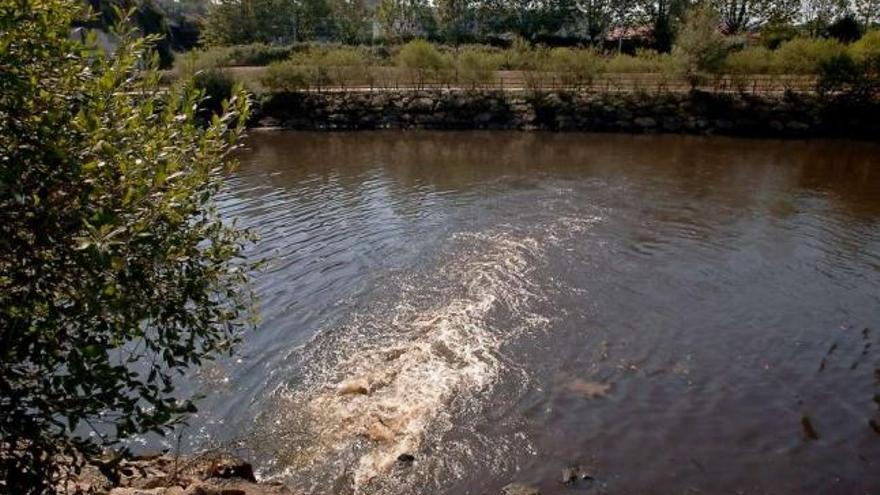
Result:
<point x="116" y="272"/>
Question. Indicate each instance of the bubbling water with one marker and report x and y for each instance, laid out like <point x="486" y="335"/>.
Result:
<point x="376" y="391"/>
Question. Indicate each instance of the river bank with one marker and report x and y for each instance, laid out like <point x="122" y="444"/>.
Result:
<point x="790" y="115"/>
<point x="209" y="473"/>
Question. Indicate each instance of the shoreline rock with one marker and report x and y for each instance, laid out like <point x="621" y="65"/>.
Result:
<point x="788" y="115"/>
<point x="205" y="474"/>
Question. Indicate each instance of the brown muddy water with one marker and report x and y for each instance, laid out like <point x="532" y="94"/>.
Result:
<point x="667" y="314"/>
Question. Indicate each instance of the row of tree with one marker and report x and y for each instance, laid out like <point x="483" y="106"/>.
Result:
<point x="584" y="21"/>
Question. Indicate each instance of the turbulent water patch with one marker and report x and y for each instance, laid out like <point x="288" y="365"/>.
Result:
<point x="376" y="395"/>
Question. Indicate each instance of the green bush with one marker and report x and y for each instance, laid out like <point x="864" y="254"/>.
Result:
<point x="866" y="54"/>
<point x="289" y="76"/>
<point x="476" y="66"/>
<point x="867" y="49"/>
<point x="117" y="274"/>
<point x="522" y="55"/>
<point x="575" y="68"/>
<point x="188" y="64"/>
<point x="751" y="60"/>
<point x="700" y="47"/>
<point x="420" y="54"/>
<point x="319" y="67"/>
<point x="424" y="61"/>
<point x="218" y="86"/>
<point x="845" y="29"/>
<point x="806" y="55"/>
<point x="840" y="73"/>
<point x="204" y="68"/>
<point x="257" y="54"/>
<point x="774" y="35"/>
<point x="346" y="66"/>
<point x="644" y="61"/>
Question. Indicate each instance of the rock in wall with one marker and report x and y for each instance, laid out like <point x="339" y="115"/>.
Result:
<point x="789" y="115"/>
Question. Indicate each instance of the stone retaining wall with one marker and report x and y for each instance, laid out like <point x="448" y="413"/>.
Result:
<point x="788" y="115"/>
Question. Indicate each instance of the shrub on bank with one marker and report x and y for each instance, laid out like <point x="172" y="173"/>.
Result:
<point x="218" y="86"/>
<point x="257" y="54"/>
<point x="744" y="64"/>
<point x="700" y="53"/>
<point x="643" y="62"/>
<point x="700" y="47"/>
<point x="855" y="72"/>
<point x="867" y="49"/>
<point x="344" y="66"/>
<point x="289" y="76"/>
<point x="425" y="62"/>
<point x="840" y="73"/>
<point x="750" y="60"/>
<point x="805" y="55"/>
<point x="524" y="56"/>
<point x="204" y="68"/>
<point x="476" y="67"/>
<point x="188" y="64"/>
<point x="254" y="54"/>
<point x="574" y="68"/>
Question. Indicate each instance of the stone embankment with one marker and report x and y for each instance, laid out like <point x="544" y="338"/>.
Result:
<point x="789" y="115"/>
<point x="212" y="474"/>
<point x="206" y="474"/>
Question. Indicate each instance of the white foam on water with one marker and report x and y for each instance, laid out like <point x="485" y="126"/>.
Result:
<point x="377" y="391"/>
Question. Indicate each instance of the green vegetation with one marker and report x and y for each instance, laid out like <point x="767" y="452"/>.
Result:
<point x="643" y="62"/>
<point x="700" y="48"/>
<point x="272" y="30"/>
<point x="116" y="272"/>
<point x="867" y="49"/>
<point x="424" y="61"/>
<point x="856" y="71"/>
<point x="604" y="25"/>
<point x="575" y="68"/>
<point x="750" y="60"/>
<point x="805" y="55"/>
<point x="701" y="55"/>
<point x="476" y="67"/>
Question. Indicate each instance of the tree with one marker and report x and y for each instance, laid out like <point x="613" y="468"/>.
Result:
<point x="868" y="11"/>
<point x="700" y="47"/>
<point x="352" y="20"/>
<point x="152" y="20"/>
<point x="311" y="19"/>
<point x="845" y="29"/>
<point x="663" y="16"/>
<point x="404" y="19"/>
<point x="116" y="272"/>
<point x="148" y="16"/>
<point x="184" y="19"/>
<point x="456" y="19"/>
<point x="232" y="22"/>
<point x="596" y="16"/>
<point x="819" y="14"/>
<point x="526" y="18"/>
<point x="741" y="15"/>
<point x="623" y="15"/>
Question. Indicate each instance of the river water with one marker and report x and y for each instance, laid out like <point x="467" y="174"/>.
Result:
<point x="665" y="314"/>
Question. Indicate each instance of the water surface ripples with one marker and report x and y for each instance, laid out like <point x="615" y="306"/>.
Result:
<point x="663" y="312"/>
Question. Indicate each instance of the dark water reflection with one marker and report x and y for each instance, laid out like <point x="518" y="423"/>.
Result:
<point x="699" y="297"/>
